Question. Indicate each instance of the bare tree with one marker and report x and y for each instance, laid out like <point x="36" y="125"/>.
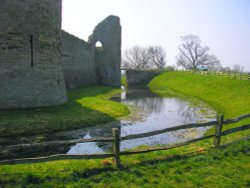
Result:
<point x="135" y="58"/>
<point x="192" y="54"/>
<point x="157" y="56"/>
<point x="140" y="58"/>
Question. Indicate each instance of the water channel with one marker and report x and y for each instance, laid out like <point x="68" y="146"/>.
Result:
<point x="150" y="112"/>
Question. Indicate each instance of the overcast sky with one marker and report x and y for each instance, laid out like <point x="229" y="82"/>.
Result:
<point x="223" y="25"/>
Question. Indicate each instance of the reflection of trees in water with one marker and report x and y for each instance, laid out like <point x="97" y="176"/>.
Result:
<point x="149" y="102"/>
<point x="145" y="100"/>
<point x="187" y="112"/>
<point x="135" y="93"/>
<point x="147" y="105"/>
<point x="193" y="113"/>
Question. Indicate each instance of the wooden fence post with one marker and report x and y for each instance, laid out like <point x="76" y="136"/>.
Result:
<point x="116" y="146"/>
<point x="218" y="129"/>
<point x="249" y="76"/>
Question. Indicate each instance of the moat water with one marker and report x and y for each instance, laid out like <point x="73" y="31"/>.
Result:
<point x="150" y="112"/>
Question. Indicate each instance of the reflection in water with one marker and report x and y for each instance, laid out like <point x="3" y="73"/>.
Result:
<point x="156" y="113"/>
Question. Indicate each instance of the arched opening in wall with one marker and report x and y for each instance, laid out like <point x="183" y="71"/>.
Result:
<point x="99" y="46"/>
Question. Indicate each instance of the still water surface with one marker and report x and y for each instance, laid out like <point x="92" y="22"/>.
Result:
<point x="150" y="112"/>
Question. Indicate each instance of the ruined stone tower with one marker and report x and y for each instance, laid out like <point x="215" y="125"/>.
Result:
<point x="86" y="64"/>
<point x="108" y="33"/>
<point x="30" y="67"/>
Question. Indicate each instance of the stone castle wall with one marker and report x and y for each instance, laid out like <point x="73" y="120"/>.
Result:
<point x="79" y="66"/>
<point x="85" y="64"/>
<point x="37" y="58"/>
<point x="30" y="58"/>
<point x="137" y="77"/>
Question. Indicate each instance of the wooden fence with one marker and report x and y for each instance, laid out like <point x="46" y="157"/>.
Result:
<point x="233" y="75"/>
<point x="116" y="140"/>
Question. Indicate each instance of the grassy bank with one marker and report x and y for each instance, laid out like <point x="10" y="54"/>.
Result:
<point x="190" y="166"/>
<point x="227" y="96"/>
<point x="85" y="107"/>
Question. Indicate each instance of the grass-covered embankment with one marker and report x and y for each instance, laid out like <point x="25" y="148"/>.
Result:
<point x="227" y="96"/>
<point x="85" y="107"/>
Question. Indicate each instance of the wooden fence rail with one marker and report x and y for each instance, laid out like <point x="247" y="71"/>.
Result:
<point x="234" y="130"/>
<point x="166" y="147"/>
<point x="236" y="120"/>
<point x="58" y="143"/>
<point x="116" y="140"/>
<point x="135" y="136"/>
<point x="233" y="75"/>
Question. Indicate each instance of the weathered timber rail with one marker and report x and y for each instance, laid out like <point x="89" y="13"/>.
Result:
<point x="233" y="75"/>
<point x="116" y="139"/>
<point x="59" y="143"/>
<point x="129" y="137"/>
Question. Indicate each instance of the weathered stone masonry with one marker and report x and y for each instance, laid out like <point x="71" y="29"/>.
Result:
<point x="30" y="66"/>
<point x="79" y="66"/>
<point x="137" y="77"/>
<point x="84" y="64"/>
<point x="37" y="58"/>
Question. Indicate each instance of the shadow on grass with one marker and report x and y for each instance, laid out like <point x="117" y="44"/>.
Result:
<point x="40" y="123"/>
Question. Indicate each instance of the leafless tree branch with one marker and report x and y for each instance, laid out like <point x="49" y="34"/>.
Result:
<point x="139" y="58"/>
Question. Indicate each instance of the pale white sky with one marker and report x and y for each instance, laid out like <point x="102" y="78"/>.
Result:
<point x="223" y="25"/>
